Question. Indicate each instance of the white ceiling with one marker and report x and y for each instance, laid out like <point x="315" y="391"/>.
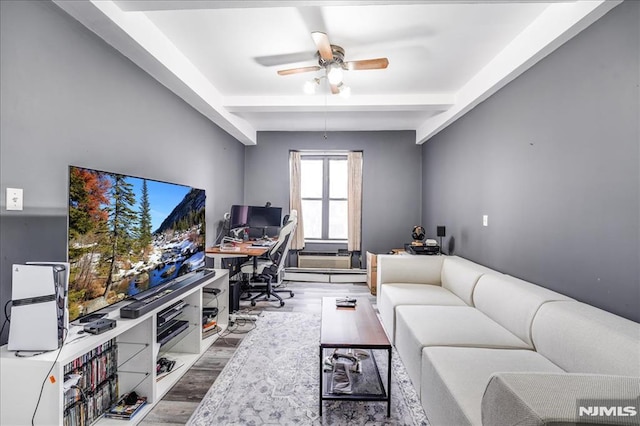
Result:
<point x="445" y="57"/>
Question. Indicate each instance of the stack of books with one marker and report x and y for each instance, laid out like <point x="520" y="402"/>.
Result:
<point x="127" y="407"/>
<point x="209" y="321"/>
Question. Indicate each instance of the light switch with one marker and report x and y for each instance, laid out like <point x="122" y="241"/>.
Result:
<point x="485" y="220"/>
<point x="14" y="199"/>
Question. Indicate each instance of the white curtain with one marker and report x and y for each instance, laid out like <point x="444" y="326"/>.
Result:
<point x="354" y="200"/>
<point x="295" y="199"/>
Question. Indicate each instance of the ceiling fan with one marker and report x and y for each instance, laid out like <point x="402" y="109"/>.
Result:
<point x="331" y="59"/>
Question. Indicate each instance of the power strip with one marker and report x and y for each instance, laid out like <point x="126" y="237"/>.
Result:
<point x="242" y="317"/>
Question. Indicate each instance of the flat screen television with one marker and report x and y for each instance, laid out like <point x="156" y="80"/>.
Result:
<point x="128" y="235"/>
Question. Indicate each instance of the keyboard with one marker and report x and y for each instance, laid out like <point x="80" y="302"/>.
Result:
<point x="262" y="243"/>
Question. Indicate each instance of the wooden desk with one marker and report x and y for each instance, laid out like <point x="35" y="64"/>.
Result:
<point x="243" y="250"/>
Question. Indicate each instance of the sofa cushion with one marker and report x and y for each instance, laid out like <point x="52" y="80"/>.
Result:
<point x="454" y="379"/>
<point x="421" y="326"/>
<point x="512" y="302"/>
<point x="525" y="398"/>
<point x="409" y="269"/>
<point x="584" y="339"/>
<point x="460" y="276"/>
<point x="392" y="295"/>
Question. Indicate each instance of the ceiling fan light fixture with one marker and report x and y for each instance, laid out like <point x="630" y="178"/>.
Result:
<point x="310" y="87"/>
<point x="334" y="74"/>
<point x="345" y="91"/>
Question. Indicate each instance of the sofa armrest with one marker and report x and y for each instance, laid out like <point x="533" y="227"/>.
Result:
<point x="409" y="269"/>
<point x="560" y="399"/>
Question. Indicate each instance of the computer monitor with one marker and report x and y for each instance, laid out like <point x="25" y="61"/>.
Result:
<point x="264" y="221"/>
<point x="238" y="217"/>
<point x="264" y="216"/>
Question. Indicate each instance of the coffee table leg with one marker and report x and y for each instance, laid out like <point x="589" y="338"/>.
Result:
<point x="389" y="385"/>
<point x="321" y="377"/>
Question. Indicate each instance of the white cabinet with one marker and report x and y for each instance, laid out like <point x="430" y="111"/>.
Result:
<point x="27" y="382"/>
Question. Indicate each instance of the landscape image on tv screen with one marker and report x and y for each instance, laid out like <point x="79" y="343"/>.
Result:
<point x="127" y="235"/>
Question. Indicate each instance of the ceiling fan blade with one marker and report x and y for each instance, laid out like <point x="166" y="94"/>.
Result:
<point x="322" y="43"/>
<point x="367" y="64"/>
<point x="334" y="89"/>
<point x="298" y="70"/>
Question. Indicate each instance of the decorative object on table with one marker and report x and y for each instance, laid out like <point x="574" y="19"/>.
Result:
<point x="418" y="234"/>
<point x="441" y="232"/>
<point x="346" y="302"/>
<point x="354" y="356"/>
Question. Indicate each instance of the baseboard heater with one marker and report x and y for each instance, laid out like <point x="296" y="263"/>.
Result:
<point x="324" y="260"/>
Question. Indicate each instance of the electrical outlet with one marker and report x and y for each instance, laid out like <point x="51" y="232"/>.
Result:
<point x="14" y="199"/>
<point x="485" y="220"/>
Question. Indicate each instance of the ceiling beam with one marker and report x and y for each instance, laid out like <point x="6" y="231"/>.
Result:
<point x="156" y="5"/>
<point x="137" y="38"/>
<point x="554" y="27"/>
<point x="306" y="103"/>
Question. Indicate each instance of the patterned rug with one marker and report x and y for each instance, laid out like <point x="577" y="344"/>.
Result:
<point x="273" y="379"/>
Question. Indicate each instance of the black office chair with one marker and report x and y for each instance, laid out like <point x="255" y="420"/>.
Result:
<point x="263" y="274"/>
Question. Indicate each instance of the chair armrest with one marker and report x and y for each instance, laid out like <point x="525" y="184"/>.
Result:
<point x="409" y="269"/>
<point x="560" y="399"/>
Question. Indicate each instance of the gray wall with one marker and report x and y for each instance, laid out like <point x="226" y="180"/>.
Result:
<point x="391" y="178"/>
<point x="553" y="159"/>
<point x="69" y="98"/>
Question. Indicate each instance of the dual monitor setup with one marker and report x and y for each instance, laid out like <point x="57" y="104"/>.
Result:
<point x="255" y="221"/>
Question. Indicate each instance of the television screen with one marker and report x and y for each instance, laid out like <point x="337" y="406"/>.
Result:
<point x="238" y="216"/>
<point x="128" y="235"/>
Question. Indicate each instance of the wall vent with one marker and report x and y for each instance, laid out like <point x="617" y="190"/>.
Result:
<point x="332" y="261"/>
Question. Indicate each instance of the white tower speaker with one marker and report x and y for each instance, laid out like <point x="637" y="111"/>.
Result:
<point x="39" y="313"/>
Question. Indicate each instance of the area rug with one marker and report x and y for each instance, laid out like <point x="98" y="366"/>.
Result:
<point x="272" y="378"/>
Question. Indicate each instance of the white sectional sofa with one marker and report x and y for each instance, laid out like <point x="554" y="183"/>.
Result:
<point x="486" y="348"/>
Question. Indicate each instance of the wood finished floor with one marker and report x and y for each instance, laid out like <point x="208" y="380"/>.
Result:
<point x="181" y="401"/>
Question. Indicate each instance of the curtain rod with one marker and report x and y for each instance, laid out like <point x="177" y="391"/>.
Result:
<point x="323" y="152"/>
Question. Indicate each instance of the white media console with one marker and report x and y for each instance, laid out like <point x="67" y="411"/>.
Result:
<point x="137" y="353"/>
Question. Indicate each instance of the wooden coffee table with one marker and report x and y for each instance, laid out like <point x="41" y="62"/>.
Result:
<point x="354" y="328"/>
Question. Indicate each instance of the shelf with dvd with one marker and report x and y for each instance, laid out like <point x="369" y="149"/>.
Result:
<point x="133" y="342"/>
<point x="215" y="312"/>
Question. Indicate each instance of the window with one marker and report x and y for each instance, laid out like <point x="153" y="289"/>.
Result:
<point x="323" y="187"/>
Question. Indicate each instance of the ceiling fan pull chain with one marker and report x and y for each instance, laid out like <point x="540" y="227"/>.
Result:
<point x="325" y="111"/>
